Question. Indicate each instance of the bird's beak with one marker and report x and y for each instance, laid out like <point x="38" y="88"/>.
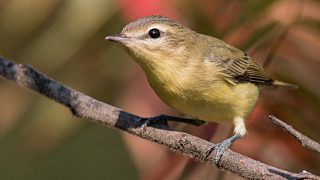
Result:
<point x="116" y="37"/>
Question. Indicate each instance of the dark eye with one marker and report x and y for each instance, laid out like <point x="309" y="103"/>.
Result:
<point x="154" y="33"/>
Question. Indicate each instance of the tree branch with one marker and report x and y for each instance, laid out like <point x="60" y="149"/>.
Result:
<point x="304" y="140"/>
<point x="86" y="107"/>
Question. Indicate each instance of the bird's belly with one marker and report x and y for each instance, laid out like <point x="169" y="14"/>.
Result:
<point x="219" y="102"/>
<point x="204" y="109"/>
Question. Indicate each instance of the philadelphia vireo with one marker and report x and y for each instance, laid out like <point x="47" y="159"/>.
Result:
<point x="196" y="74"/>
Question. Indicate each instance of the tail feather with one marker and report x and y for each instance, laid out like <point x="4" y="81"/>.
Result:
<point x="284" y="84"/>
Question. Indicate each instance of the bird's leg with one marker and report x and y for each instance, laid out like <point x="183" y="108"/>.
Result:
<point x="195" y="122"/>
<point x="144" y="122"/>
<point x="163" y="120"/>
<point x="240" y="131"/>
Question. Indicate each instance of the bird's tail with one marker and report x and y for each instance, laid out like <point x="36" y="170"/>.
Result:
<point x="284" y="84"/>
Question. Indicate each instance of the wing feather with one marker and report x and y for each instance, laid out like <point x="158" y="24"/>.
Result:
<point x="246" y="69"/>
<point x="236" y="65"/>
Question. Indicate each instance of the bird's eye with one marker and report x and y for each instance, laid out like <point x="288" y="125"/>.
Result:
<point x="154" y="33"/>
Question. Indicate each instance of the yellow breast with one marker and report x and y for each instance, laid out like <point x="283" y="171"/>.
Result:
<point x="204" y="95"/>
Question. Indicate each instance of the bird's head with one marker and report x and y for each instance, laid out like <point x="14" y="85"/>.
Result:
<point x="155" y="38"/>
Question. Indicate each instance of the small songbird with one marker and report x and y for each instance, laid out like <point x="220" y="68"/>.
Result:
<point x="196" y="74"/>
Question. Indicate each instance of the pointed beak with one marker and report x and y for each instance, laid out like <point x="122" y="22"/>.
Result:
<point x="116" y="38"/>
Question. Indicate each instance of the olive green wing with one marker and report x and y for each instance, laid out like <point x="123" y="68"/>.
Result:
<point x="245" y="69"/>
<point x="236" y="65"/>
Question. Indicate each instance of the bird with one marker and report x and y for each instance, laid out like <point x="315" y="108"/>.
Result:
<point x="196" y="74"/>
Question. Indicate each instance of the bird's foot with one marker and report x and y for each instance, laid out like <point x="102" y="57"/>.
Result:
<point x="221" y="148"/>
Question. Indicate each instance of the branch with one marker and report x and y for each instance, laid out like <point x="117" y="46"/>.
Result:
<point x="86" y="107"/>
<point x="304" y="140"/>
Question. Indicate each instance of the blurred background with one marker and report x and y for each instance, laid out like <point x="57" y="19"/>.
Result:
<point x="40" y="139"/>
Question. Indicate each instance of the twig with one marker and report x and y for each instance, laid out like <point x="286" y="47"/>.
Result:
<point x="84" y="106"/>
<point x="304" y="140"/>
